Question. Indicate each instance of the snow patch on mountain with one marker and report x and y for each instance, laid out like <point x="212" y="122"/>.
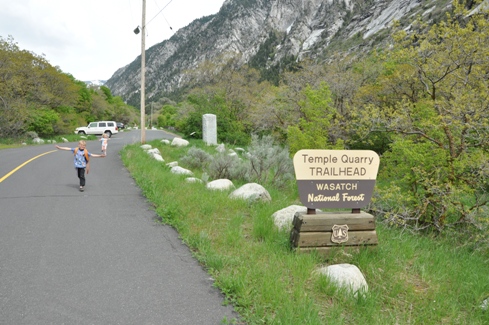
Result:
<point x="95" y="82"/>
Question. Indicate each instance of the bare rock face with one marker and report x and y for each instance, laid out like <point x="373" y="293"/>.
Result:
<point x="298" y="29"/>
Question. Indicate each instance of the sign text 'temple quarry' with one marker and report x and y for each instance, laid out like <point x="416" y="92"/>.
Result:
<point x="336" y="178"/>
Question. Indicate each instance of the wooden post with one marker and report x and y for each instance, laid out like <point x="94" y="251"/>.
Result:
<point x="143" y="68"/>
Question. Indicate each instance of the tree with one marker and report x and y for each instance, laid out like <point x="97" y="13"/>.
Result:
<point x="439" y="157"/>
<point x="43" y="122"/>
<point x="312" y="131"/>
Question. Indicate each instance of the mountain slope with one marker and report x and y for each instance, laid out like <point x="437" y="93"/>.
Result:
<point x="264" y="33"/>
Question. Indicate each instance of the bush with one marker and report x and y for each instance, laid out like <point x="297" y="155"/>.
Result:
<point x="223" y="165"/>
<point x="32" y="135"/>
<point x="196" y="158"/>
<point x="43" y="121"/>
<point x="268" y="162"/>
<point x="265" y="163"/>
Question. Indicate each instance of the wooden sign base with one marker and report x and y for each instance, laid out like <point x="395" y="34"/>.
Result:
<point x="323" y="231"/>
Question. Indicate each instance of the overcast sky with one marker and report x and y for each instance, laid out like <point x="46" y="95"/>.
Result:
<point x="91" y="39"/>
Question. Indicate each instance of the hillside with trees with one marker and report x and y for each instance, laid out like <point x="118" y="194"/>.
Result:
<point x="35" y="96"/>
<point x="423" y="105"/>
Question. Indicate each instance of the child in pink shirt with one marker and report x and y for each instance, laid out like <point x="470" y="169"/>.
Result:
<point x="105" y="141"/>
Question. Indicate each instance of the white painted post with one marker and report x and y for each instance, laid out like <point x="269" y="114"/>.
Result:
<point x="209" y="129"/>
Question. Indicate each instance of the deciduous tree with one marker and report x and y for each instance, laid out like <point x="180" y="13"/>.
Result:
<point x="440" y="122"/>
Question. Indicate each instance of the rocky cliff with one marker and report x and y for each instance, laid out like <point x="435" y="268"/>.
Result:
<point x="265" y="33"/>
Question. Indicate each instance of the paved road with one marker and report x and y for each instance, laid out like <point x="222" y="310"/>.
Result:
<point x="93" y="257"/>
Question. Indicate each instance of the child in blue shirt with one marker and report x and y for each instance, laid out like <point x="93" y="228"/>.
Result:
<point x="82" y="160"/>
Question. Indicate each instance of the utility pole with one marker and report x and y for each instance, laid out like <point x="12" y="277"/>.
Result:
<point x="151" y="115"/>
<point x="143" y="68"/>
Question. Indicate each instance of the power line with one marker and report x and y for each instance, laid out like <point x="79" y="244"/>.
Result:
<point x="163" y="15"/>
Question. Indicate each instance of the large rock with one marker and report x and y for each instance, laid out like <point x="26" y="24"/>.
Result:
<point x="181" y="171"/>
<point x="252" y="192"/>
<point x="220" y="184"/>
<point x="178" y="142"/>
<point x="193" y="180"/>
<point x="221" y="148"/>
<point x="158" y="157"/>
<point x="346" y="276"/>
<point x="485" y="304"/>
<point x="153" y="151"/>
<point x="283" y="218"/>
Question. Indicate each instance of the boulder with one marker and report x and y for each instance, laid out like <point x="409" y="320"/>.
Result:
<point x="165" y="141"/>
<point x="220" y="184"/>
<point x="346" y="276"/>
<point x="193" y="180"/>
<point x="172" y="164"/>
<point x="221" y="148"/>
<point x="178" y="142"/>
<point x="283" y="218"/>
<point x="252" y="192"/>
<point x="153" y="151"/>
<point x="181" y="171"/>
<point x="485" y="304"/>
<point x="146" y="146"/>
<point x="158" y="157"/>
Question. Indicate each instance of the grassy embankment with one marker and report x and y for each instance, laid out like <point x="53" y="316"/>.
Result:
<point x="412" y="279"/>
<point x="15" y="143"/>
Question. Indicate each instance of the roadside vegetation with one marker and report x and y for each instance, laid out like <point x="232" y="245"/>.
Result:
<point x="29" y="137"/>
<point x="413" y="278"/>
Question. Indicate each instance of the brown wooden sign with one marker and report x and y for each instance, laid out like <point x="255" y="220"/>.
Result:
<point x="336" y="178"/>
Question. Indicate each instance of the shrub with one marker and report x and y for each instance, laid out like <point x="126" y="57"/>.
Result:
<point x="196" y="158"/>
<point x="268" y="162"/>
<point x="265" y="163"/>
<point x="31" y="134"/>
<point x="223" y="165"/>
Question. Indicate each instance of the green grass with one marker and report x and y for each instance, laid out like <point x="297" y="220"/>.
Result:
<point x="19" y="142"/>
<point x="412" y="279"/>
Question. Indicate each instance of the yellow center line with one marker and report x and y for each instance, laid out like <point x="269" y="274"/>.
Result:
<point x="19" y="167"/>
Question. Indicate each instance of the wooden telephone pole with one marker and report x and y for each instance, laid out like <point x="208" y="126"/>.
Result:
<point x="143" y="68"/>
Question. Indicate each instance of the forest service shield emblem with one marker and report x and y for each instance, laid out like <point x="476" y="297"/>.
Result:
<point x="340" y="234"/>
